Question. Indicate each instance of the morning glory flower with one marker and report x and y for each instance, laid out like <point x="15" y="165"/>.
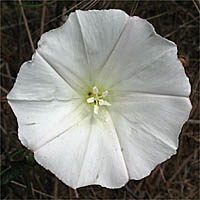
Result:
<point x="103" y="99"/>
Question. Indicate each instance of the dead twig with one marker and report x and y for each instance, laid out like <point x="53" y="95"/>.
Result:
<point x="185" y="162"/>
<point x="131" y="192"/>
<point x="34" y="190"/>
<point x="193" y="121"/>
<point x="4" y="90"/>
<point x="181" y="26"/>
<point x="56" y="188"/>
<point x="43" y="19"/>
<point x="156" y="16"/>
<point x="196" y="6"/>
<point x="133" y="9"/>
<point x="7" y="76"/>
<point x="92" y="4"/>
<point x="26" y="25"/>
<point x="195" y="85"/>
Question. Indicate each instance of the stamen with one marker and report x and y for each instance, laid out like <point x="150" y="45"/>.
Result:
<point x="90" y="100"/>
<point x="97" y="99"/>
<point x="104" y="103"/>
<point x="105" y="93"/>
<point x="96" y="109"/>
<point x="95" y="90"/>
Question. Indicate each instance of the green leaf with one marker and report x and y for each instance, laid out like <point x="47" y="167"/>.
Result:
<point x="17" y="153"/>
<point x="16" y="169"/>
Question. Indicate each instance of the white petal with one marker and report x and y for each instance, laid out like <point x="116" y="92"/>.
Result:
<point x="86" y="154"/>
<point x="164" y="76"/>
<point x="148" y="127"/>
<point x="64" y="155"/>
<point x="101" y="31"/>
<point x="138" y="50"/>
<point x="42" y="121"/>
<point x="36" y="80"/>
<point x="76" y="50"/>
<point x="41" y="101"/>
<point x="63" y="48"/>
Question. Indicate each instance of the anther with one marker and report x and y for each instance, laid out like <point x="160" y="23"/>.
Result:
<point x="104" y="103"/>
<point x="90" y="100"/>
<point x="96" y="109"/>
<point x="95" y="90"/>
<point x="105" y="93"/>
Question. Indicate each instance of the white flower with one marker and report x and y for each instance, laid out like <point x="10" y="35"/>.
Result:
<point x="103" y="99"/>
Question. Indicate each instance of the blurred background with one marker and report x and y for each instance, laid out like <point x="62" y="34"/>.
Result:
<point x="22" y="23"/>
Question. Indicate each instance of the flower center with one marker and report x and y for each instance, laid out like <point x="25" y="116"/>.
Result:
<point x="98" y="99"/>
